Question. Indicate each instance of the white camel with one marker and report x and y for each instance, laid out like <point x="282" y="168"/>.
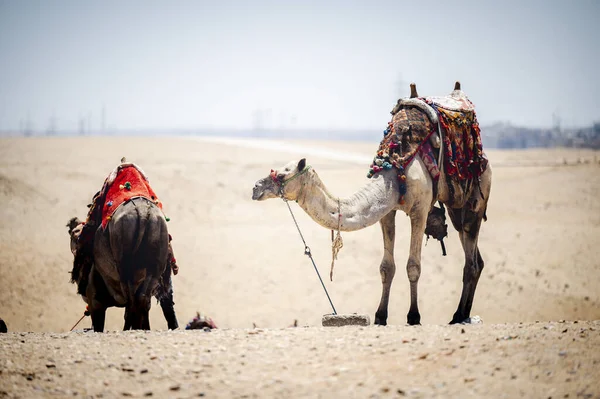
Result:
<point x="378" y="201"/>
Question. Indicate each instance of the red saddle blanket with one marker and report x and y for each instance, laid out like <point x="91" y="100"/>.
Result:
<point x="128" y="183"/>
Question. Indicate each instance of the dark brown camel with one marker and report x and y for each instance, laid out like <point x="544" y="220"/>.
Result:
<point x="129" y="258"/>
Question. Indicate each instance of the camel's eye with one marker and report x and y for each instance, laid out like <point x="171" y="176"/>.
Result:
<point x="286" y="170"/>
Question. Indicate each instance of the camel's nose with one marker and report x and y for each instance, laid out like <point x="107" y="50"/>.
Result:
<point x="256" y="191"/>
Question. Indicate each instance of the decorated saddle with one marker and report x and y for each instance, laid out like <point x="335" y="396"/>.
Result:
<point x="416" y="126"/>
<point x="126" y="182"/>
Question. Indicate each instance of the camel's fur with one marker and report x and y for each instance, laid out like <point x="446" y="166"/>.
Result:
<point x="378" y="201"/>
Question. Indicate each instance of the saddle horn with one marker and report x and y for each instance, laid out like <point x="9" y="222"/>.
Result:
<point x="457" y="85"/>
<point x="413" y="91"/>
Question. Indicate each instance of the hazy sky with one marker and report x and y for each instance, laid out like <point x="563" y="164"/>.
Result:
<point x="338" y="64"/>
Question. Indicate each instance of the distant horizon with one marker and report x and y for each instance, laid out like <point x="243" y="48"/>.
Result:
<point x="293" y="65"/>
<point x="213" y="130"/>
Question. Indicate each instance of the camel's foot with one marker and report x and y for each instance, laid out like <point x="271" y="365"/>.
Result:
<point x="413" y="318"/>
<point x="381" y="318"/>
<point x="458" y="319"/>
<point x="98" y="317"/>
<point x="472" y="320"/>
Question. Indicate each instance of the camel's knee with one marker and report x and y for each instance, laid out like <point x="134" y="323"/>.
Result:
<point x="413" y="270"/>
<point x="480" y="263"/>
<point x="387" y="270"/>
<point x="473" y="269"/>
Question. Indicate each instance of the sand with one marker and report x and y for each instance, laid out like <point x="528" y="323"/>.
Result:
<point x="242" y="263"/>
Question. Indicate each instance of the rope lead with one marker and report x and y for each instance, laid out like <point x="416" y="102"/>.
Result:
<point x="309" y="254"/>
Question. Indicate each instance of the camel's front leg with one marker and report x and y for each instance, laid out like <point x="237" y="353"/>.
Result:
<point x="418" y="221"/>
<point x="387" y="267"/>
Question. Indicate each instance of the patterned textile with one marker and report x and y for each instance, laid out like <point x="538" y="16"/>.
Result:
<point x="428" y="157"/>
<point x="409" y="131"/>
<point x="463" y="152"/>
<point x="128" y="184"/>
<point x="403" y="138"/>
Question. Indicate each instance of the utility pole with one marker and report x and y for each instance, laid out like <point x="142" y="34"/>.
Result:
<point x="51" y="131"/>
<point x="28" y="125"/>
<point x="81" y="125"/>
<point x="103" y="119"/>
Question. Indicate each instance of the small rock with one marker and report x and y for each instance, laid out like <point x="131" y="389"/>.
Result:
<point x="143" y="371"/>
<point x="562" y="353"/>
<point x="175" y="387"/>
<point x="50" y="365"/>
<point x="149" y="393"/>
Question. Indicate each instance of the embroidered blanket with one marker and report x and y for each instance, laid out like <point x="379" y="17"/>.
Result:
<point x="413" y="124"/>
<point x="126" y="182"/>
<point x="463" y="152"/>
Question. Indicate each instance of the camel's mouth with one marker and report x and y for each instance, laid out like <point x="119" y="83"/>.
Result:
<point x="258" y="192"/>
<point x="257" y="196"/>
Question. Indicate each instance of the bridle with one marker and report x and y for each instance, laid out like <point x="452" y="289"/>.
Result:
<point x="280" y="183"/>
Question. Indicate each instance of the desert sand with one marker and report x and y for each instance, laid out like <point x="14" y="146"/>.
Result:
<point x="242" y="263"/>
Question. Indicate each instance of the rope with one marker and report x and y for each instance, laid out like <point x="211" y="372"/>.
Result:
<point x="337" y="243"/>
<point x="309" y="254"/>
<point x="78" y="321"/>
<point x="85" y="313"/>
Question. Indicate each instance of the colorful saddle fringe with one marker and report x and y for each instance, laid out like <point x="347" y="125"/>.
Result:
<point x="409" y="131"/>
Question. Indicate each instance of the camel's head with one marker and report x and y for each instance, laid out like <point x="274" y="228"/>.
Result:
<point x="286" y="182"/>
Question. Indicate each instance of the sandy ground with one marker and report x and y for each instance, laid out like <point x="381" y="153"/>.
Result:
<point x="558" y="360"/>
<point x="242" y="263"/>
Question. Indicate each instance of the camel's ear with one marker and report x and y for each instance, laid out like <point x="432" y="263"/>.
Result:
<point x="302" y="164"/>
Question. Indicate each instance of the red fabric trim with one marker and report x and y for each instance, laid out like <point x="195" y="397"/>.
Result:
<point x="117" y="194"/>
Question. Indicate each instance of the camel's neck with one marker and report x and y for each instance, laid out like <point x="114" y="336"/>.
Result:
<point x="364" y="208"/>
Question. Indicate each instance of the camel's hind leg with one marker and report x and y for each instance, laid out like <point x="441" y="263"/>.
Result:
<point x="139" y="308"/>
<point x="98" y="317"/>
<point x="387" y="267"/>
<point x="468" y="223"/>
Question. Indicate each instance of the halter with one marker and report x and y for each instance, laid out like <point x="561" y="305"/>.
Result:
<point x="283" y="183"/>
